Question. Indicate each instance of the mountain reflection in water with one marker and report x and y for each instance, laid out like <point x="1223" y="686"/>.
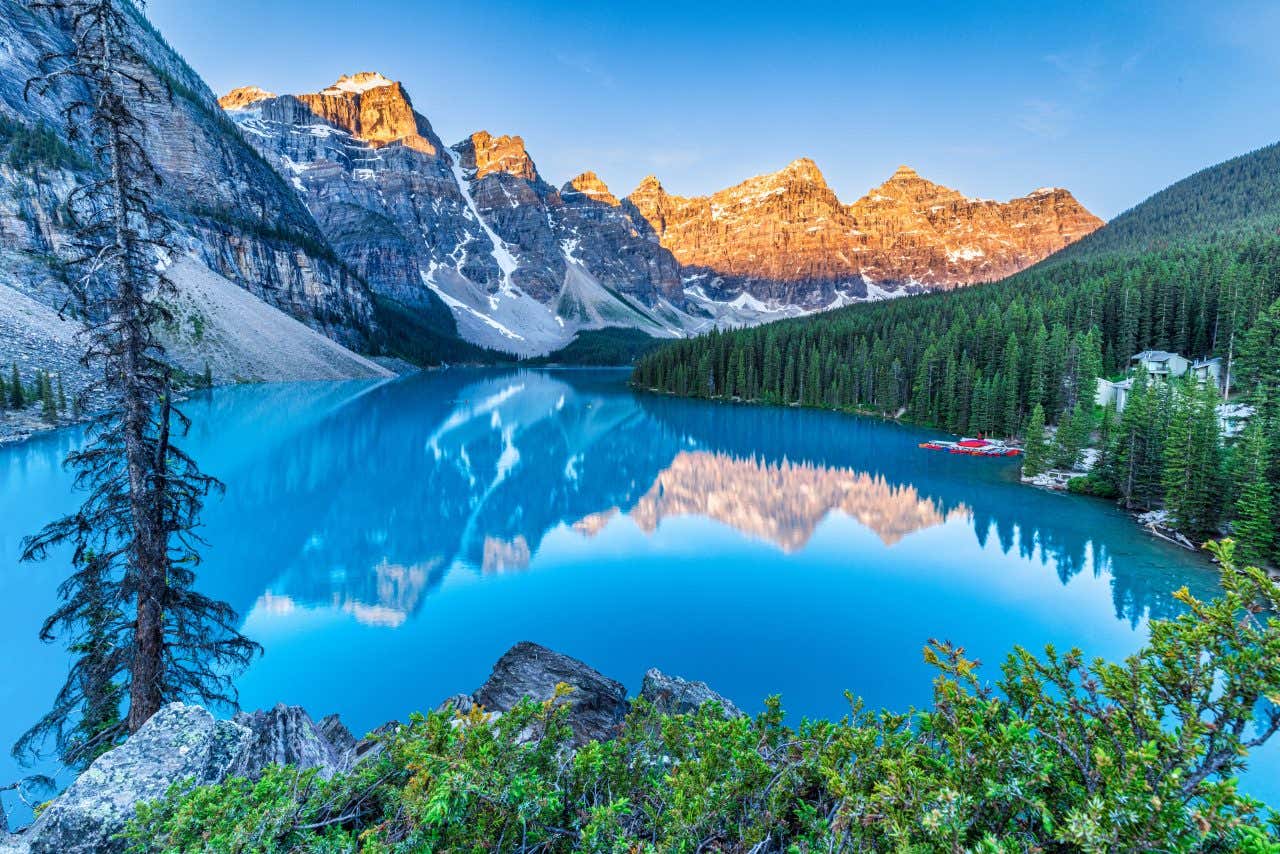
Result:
<point x="392" y="488"/>
<point x="386" y="542"/>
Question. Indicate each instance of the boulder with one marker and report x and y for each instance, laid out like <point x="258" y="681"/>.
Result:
<point x="285" y="735"/>
<point x="180" y="742"/>
<point x="672" y="695"/>
<point x="597" y="704"/>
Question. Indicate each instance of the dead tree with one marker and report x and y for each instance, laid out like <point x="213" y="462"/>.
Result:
<point x="141" y="634"/>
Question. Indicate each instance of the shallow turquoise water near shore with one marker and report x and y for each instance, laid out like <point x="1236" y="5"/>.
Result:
<point x="386" y="542"/>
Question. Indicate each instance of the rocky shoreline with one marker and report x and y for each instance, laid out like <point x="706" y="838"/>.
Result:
<point x="20" y="425"/>
<point x="186" y="742"/>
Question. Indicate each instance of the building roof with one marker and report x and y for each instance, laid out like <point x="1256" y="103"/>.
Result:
<point x="1154" y="356"/>
<point x="1202" y="363"/>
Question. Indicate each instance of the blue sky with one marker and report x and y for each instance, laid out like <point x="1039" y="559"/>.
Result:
<point x="1112" y="100"/>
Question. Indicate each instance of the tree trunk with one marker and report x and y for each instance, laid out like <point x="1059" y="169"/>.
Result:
<point x="149" y="555"/>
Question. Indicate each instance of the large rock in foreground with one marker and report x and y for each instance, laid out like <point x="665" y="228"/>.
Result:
<point x="672" y="695"/>
<point x="597" y="704"/>
<point x="179" y="743"/>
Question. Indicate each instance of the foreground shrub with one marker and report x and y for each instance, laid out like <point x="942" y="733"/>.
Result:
<point x="1060" y="755"/>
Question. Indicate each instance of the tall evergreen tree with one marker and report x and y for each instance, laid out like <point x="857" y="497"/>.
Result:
<point x="1192" y="466"/>
<point x="137" y="624"/>
<point x="17" y="398"/>
<point x="1254" y="511"/>
<point x="1137" y="448"/>
<point x="1035" y="455"/>
<point x="48" y="403"/>
<point x="1072" y="435"/>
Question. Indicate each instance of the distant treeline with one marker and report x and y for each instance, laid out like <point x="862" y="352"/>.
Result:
<point x="982" y="358"/>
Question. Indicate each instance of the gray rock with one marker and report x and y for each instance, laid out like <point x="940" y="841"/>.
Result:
<point x="597" y="704"/>
<point x="285" y="735"/>
<point x="457" y="703"/>
<point x="371" y="745"/>
<point x="179" y="743"/>
<point x="337" y="734"/>
<point x="672" y="695"/>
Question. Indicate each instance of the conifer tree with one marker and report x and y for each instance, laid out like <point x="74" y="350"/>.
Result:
<point x="17" y="399"/>
<point x="1035" y="455"/>
<point x="1071" y="437"/>
<point x="141" y="634"/>
<point x="1254" y="511"/>
<point x="1137" y="448"/>
<point x="1192" y="466"/>
<point x="48" y="404"/>
<point x="1259" y="366"/>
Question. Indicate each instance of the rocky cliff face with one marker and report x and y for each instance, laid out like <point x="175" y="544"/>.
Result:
<point x="521" y="265"/>
<point x="787" y="237"/>
<point x="232" y="211"/>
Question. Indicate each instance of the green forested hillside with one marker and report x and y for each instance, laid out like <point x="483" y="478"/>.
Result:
<point x="980" y="359"/>
<point x="609" y="346"/>
<point x="1242" y="194"/>
<point x="986" y="358"/>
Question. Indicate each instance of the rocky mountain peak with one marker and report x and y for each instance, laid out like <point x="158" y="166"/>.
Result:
<point x="590" y="185"/>
<point x="373" y="108"/>
<point x="238" y="99"/>
<point x="486" y="154"/>
<point x="648" y="186"/>
<point x="803" y="169"/>
<point x="907" y="190"/>
<point x="358" y="83"/>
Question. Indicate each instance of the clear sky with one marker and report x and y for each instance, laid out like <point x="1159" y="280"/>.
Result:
<point x="1112" y="100"/>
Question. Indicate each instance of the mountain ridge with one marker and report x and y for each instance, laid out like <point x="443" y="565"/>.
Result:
<point x="525" y="266"/>
<point x="905" y="230"/>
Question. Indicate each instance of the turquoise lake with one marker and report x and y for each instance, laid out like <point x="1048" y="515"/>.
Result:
<point x="386" y="542"/>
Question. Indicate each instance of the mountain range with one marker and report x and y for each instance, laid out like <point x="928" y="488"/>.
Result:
<point x="342" y="215"/>
<point x="524" y="266"/>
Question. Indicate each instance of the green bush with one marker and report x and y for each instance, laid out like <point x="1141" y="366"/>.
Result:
<point x="1061" y="755"/>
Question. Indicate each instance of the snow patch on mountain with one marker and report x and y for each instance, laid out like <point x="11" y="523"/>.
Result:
<point x="357" y="84"/>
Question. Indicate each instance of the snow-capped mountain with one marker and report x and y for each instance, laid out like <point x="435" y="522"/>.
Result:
<point x="524" y="266"/>
<point x="521" y="265"/>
